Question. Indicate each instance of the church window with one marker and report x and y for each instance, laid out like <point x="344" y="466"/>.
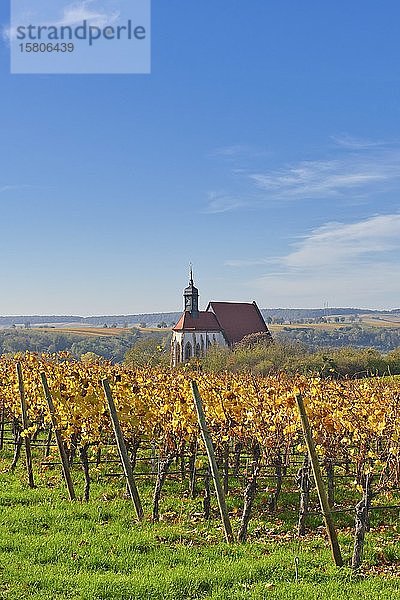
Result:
<point x="188" y="351"/>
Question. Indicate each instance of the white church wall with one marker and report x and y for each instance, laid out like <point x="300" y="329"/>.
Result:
<point x="187" y="344"/>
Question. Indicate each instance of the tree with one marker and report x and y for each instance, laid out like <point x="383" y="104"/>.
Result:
<point x="255" y="339"/>
<point x="149" y="352"/>
<point x="92" y="358"/>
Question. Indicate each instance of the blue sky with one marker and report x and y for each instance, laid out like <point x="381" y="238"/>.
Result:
<point x="264" y="147"/>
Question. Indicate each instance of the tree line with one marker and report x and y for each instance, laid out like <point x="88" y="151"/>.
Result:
<point x="353" y="351"/>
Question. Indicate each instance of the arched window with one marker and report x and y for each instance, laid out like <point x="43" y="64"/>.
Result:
<point x="188" y="351"/>
<point x="198" y="353"/>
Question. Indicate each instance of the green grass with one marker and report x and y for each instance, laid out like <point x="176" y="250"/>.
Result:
<point x="53" y="549"/>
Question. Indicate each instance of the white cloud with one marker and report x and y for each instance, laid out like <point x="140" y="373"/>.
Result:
<point x="8" y="188"/>
<point x="352" y="174"/>
<point x="351" y="142"/>
<point x="6" y="34"/>
<point x="335" y="243"/>
<point x="77" y="12"/>
<point x="355" y="264"/>
<point x="97" y="13"/>
<point x="373" y="286"/>
<point x="239" y="152"/>
<point x="356" y="170"/>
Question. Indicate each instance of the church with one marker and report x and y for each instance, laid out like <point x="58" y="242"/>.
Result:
<point x="222" y="323"/>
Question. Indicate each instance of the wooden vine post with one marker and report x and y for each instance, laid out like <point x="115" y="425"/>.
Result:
<point x="325" y="508"/>
<point x="205" y="434"/>
<point x="3" y="416"/>
<point x="123" y="453"/>
<point x="60" y="443"/>
<point x="25" y="425"/>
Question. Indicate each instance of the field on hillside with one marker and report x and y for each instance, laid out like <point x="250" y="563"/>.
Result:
<point x="365" y="321"/>
<point x="88" y="331"/>
<point x="100" y="331"/>
<point x="116" y="331"/>
<point x="382" y="321"/>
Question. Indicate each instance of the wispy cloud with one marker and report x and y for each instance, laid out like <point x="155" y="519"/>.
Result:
<point x="326" y="178"/>
<point x="377" y="286"/>
<point x="229" y="151"/>
<point x="345" y="140"/>
<point x="239" y="155"/>
<point x="219" y="202"/>
<point x="240" y="263"/>
<point x="9" y="188"/>
<point x="353" y="171"/>
<point x="87" y="10"/>
<point x="98" y="13"/>
<point x="339" y="243"/>
<point x="5" y="188"/>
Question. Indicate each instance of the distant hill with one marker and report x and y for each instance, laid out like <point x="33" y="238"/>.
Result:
<point x="120" y="320"/>
<point x="170" y="318"/>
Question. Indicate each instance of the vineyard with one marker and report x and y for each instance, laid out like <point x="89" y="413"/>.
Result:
<point x="253" y="422"/>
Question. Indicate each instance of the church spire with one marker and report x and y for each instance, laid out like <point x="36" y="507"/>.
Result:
<point x="191" y="296"/>
<point x="191" y="274"/>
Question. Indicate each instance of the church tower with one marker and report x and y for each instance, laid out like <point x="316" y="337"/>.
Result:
<point x="191" y="298"/>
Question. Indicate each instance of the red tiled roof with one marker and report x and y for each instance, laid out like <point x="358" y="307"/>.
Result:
<point x="238" y="319"/>
<point x="206" y="321"/>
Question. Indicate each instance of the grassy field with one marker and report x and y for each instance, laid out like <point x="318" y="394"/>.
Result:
<point x="53" y="549"/>
<point x="381" y="322"/>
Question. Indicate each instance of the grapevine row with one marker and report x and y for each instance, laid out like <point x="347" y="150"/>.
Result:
<point x="353" y="421"/>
